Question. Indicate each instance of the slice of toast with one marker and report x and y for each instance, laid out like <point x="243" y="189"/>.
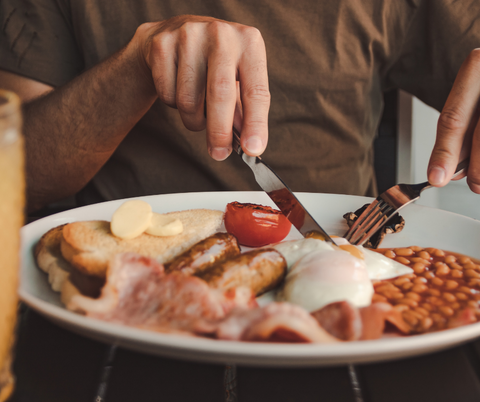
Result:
<point x="89" y="245"/>
<point x="49" y="258"/>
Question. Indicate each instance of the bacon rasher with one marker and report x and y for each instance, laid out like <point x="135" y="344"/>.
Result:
<point x="137" y="292"/>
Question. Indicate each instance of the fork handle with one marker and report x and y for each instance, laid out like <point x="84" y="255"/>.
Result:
<point x="461" y="167"/>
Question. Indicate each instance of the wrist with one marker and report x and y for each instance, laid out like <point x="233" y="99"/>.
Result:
<point x="136" y="52"/>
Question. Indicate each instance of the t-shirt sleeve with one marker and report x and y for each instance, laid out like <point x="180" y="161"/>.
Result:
<point x="37" y="41"/>
<point x="440" y="37"/>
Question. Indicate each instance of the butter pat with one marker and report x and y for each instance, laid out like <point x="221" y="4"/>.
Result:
<point x="163" y="225"/>
<point x="131" y="219"/>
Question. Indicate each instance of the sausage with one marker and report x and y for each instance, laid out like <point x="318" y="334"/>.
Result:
<point x="204" y="254"/>
<point x="260" y="270"/>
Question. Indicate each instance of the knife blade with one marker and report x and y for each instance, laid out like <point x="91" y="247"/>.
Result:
<point x="280" y="193"/>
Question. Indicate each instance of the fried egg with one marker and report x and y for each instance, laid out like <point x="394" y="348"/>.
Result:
<point x="379" y="267"/>
<point x="326" y="276"/>
<point x="320" y="273"/>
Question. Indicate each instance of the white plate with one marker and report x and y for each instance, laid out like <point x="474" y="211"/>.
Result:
<point x="425" y="227"/>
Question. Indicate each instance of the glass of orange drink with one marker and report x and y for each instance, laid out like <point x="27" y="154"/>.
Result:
<point x="12" y="194"/>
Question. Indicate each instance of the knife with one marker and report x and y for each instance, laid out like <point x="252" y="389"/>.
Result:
<point x="280" y="194"/>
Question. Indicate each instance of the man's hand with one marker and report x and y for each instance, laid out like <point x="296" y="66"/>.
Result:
<point x="186" y="61"/>
<point x="458" y="131"/>
<point x="196" y="61"/>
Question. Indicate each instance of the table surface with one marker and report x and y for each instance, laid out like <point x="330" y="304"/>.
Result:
<point x="53" y="364"/>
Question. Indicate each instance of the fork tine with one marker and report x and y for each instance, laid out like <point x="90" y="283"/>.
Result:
<point x="381" y="219"/>
<point x="369" y="221"/>
<point x="361" y="219"/>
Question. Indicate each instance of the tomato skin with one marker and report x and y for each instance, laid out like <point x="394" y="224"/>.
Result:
<point x="255" y="225"/>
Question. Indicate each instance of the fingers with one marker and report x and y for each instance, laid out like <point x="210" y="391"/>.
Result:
<point x="221" y="96"/>
<point x="162" y="60"/>
<point x="197" y="58"/>
<point x="191" y="77"/>
<point x="456" y="125"/>
<point x="473" y="178"/>
<point x="255" y="95"/>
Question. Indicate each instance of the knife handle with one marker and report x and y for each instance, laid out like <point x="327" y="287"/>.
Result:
<point x="236" y="141"/>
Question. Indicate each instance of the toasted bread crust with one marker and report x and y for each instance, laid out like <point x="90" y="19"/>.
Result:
<point x="49" y="257"/>
<point x="89" y="245"/>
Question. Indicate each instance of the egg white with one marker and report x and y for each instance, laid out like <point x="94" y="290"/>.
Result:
<point x="320" y="273"/>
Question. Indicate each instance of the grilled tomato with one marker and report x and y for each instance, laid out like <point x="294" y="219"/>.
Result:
<point x="256" y="225"/>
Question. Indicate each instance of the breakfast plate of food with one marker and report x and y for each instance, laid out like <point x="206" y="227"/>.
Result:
<point x="223" y="277"/>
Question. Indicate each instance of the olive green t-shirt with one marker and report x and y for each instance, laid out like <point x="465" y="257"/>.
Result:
<point x="329" y="63"/>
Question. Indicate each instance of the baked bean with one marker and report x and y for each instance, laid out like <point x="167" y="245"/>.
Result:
<point x="422" y="311"/>
<point x="420" y="279"/>
<point x="429" y="275"/>
<point x="390" y="254"/>
<point x="418" y="267"/>
<point x="409" y="276"/>
<point x="439" y="320"/>
<point x="404" y="252"/>
<point x="474" y="282"/>
<point x="413" y="296"/>
<point x="419" y="288"/>
<point x="439" y="253"/>
<point x="393" y="295"/>
<point x="461" y="296"/>
<point x="425" y="255"/>
<point x="426" y="323"/>
<point x="470" y="273"/>
<point x="449" y="297"/>
<point x="410" y="318"/>
<point x="401" y="307"/>
<point x="449" y="284"/>
<point x="408" y="302"/>
<point x="455" y="305"/>
<point x="380" y="299"/>
<point x="454" y="265"/>
<point x="470" y="265"/>
<point x="401" y="281"/>
<point x="465" y="289"/>
<point x="402" y="260"/>
<point x="427" y="306"/>
<point x="416" y="248"/>
<point x="437" y="281"/>
<point x="472" y="304"/>
<point x="442" y="270"/>
<point x="430" y="250"/>
<point x="437" y="317"/>
<point x="421" y="260"/>
<point x="464" y="260"/>
<point x="446" y="311"/>
<point x="416" y="314"/>
<point x="455" y="273"/>
<point x="386" y="287"/>
<point x="450" y="258"/>
<point x="438" y="302"/>
<point x="407" y="286"/>
<point x="434" y="292"/>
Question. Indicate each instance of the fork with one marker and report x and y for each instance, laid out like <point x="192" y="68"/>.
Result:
<point x="386" y="205"/>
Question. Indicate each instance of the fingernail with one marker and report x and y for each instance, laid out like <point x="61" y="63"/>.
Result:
<point x="254" y="145"/>
<point x="436" y="176"/>
<point x="219" y="154"/>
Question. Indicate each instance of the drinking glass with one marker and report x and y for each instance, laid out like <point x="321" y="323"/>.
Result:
<point x="12" y="200"/>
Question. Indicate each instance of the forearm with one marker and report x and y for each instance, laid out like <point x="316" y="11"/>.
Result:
<point x="71" y="132"/>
